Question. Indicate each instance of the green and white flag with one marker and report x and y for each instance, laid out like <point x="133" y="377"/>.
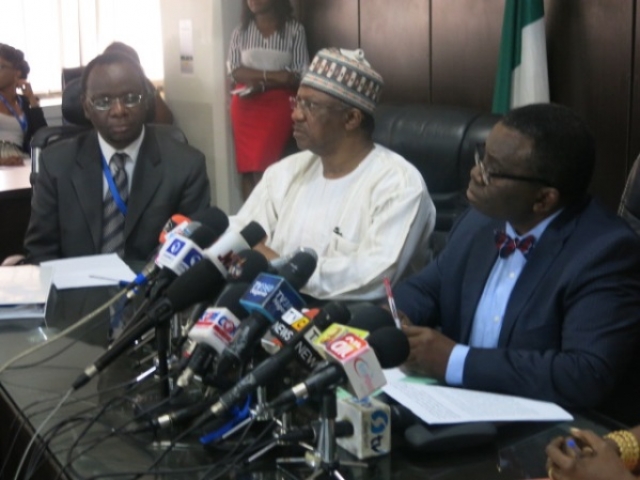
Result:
<point x="522" y="76"/>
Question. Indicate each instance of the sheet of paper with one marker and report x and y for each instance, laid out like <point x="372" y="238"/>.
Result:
<point x="89" y="271"/>
<point x="24" y="291"/>
<point x="436" y="404"/>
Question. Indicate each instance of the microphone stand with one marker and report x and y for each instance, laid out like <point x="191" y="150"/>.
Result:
<point x="324" y="458"/>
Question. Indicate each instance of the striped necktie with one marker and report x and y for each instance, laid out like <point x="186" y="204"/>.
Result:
<point x="112" y="217"/>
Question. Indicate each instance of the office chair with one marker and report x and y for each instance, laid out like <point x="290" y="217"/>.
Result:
<point x="629" y="207"/>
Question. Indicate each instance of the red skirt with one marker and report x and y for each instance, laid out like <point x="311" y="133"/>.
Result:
<point x="262" y="126"/>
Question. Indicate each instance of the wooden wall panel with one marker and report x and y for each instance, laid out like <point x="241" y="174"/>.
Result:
<point x="589" y="50"/>
<point x="330" y="23"/>
<point x="395" y="38"/>
<point x="445" y="52"/>
<point x="465" y="45"/>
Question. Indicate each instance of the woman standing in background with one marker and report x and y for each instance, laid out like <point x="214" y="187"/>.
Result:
<point x="267" y="55"/>
<point x="20" y="115"/>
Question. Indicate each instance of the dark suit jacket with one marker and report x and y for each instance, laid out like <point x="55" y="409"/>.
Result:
<point x="571" y="329"/>
<point x="66" y="210"/>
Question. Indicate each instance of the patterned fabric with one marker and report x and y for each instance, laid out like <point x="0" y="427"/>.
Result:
<point x="507" y="245"/>
<point x="112" y="217"/>
<point x="345" y="74"/>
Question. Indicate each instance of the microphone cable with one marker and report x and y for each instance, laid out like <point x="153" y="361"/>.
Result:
<point x="64" y="332"/>
<point x="37" y="432"/>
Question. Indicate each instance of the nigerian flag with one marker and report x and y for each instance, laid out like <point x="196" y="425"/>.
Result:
<point x="522" y="67"/>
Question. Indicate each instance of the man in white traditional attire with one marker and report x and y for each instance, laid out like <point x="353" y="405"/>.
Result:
<point x="364" y="209"/>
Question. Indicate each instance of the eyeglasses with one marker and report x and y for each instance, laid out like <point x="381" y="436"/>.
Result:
<point x="487" y="175"/>
<point x="309" y="107"/>
<point x="128" y="100"/>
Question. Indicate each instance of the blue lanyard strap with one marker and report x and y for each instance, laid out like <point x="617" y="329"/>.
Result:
<point x="112" y="187"/>
<point x="22" y="120"/>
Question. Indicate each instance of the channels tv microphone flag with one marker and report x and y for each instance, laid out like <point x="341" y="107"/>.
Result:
<point x="352" y="362"/>
<point x="201" y="282"/>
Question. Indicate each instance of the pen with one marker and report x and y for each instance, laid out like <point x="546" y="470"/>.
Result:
<point x="392" y="303"/>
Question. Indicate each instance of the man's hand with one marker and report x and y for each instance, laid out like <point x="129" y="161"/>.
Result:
<point x="268" y="253"/>
<point x="430" y="351"/>
<point x="594" y="459"/>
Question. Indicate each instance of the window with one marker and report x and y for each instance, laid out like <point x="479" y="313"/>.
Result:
<point x="56" y="34"/>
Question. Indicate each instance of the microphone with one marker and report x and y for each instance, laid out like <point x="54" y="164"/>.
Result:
<point x="201" y="282"/>
<point x="222" y="253"/>
<point x="279" y="262"/>
<point x="310" y="433"/>
<point x="371" y="418"/>
<point x="175" y="220"/>
<point x="354" y="362"/>
<point x="370" y="317"/>
<point x="212" y="333"/>
<point x="272" y="367"/>
<point x="268" y="298"/>
<point x="213" y="218"/>
<point x="179" y="253"/>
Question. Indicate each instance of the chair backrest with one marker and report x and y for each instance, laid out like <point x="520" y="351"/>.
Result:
<point x="440" y="142"/>
<point x="629" y="207"/>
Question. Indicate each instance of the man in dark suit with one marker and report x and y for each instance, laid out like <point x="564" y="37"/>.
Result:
<point x="553" y="317"/>
<point x="113" y="188"/>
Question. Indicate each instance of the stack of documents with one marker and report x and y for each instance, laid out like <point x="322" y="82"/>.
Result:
<point x="89" y="271"/>
<point x="438" y="405"/>
<point x="24" y="291"/>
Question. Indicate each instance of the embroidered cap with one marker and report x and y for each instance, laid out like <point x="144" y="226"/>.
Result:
<point x="345" y="74"/>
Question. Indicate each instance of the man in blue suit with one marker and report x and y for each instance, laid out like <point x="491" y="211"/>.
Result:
<point x="537" y="292"/>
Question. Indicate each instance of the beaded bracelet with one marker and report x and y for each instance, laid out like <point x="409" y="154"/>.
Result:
<point x="628" y="445"/>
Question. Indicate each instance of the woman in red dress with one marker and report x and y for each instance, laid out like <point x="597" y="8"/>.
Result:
<point x="267" y="55"/>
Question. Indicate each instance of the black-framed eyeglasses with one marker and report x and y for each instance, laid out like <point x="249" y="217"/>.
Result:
<point x="310" y="107"/>
<point x="128" y="100"/>
<point x="488" y="175"/>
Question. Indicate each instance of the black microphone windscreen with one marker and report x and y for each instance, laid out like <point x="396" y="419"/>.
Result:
<point x="299" y="269"/>
<point x="201" y="282"/>
<point x="203" y="236"/>
<point x="230" y="298"/>
<point x="370" y="317"/>
<point x="390" y="345"/>
<point x="253" y="233"/>
<point x="214" y="218"/>
<point x="332" y="312"/>
<point x="247" y="265"/>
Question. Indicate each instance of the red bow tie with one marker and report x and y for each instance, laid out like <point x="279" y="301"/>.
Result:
<point x="507" y="245"/>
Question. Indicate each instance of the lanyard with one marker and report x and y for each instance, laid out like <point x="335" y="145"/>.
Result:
<point x="112" y="186"/>
<point x="22" y="120"/>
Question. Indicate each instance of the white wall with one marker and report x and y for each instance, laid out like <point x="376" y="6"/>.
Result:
<point x="200" y="102"/>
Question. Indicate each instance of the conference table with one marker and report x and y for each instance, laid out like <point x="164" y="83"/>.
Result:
<point x="15" y="207"/>
<point x="30" y="390"/>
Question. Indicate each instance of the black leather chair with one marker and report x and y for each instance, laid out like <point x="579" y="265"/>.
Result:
<point x="629" y="208"/>
<point x="440" y="141"/>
